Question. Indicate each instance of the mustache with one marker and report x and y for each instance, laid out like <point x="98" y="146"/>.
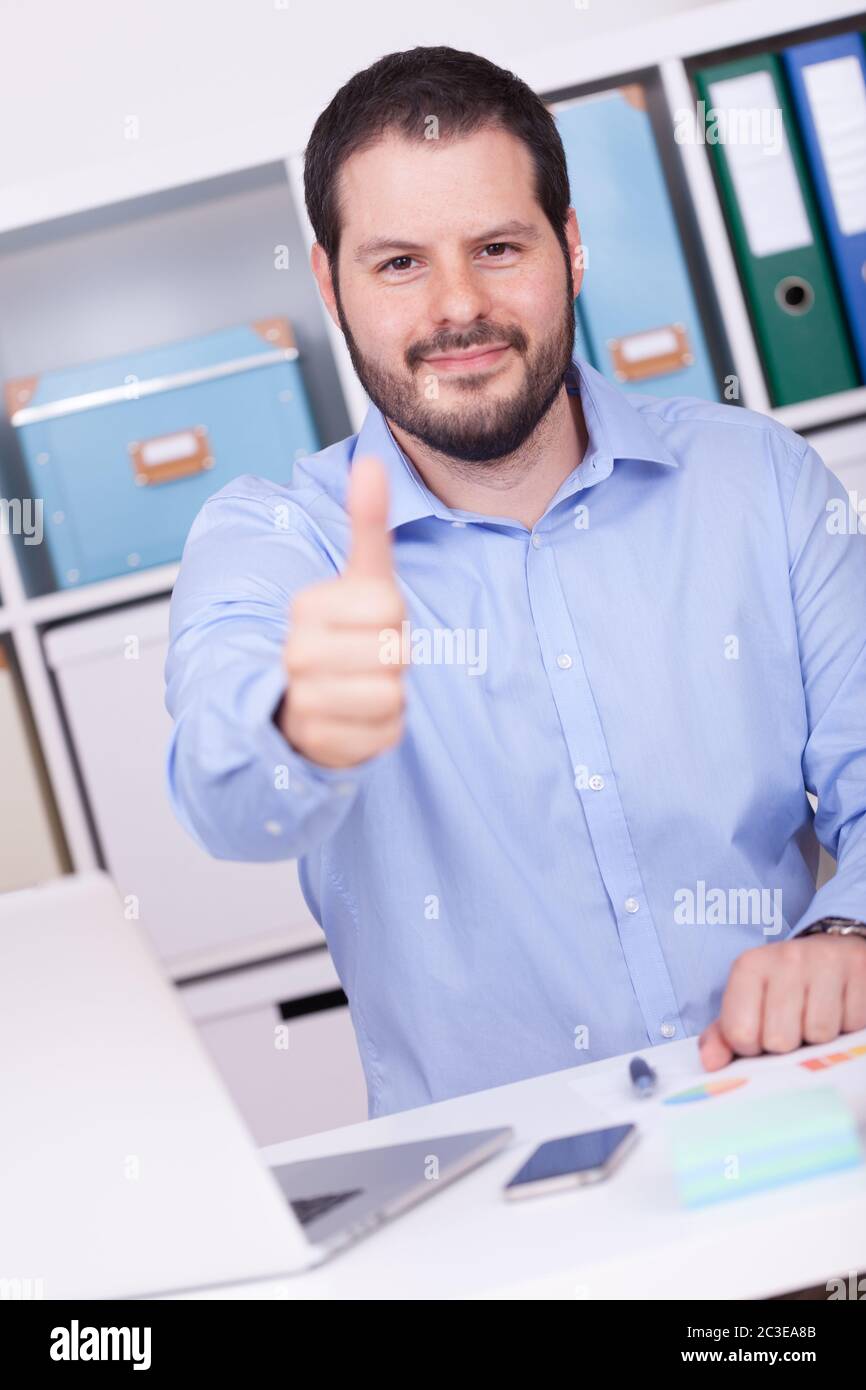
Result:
<point x="463" y="342"/>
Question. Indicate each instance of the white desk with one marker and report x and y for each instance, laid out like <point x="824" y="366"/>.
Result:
<point x="627" y="1237"/>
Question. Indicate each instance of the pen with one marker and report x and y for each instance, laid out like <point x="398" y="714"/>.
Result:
<point x="643" y="1078"/>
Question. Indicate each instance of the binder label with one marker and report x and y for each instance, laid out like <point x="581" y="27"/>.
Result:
<point x="837" y="95"/>
<point x="764" y="177"/>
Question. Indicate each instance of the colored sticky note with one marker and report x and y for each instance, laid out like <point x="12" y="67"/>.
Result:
<point x="754" y="1143"/>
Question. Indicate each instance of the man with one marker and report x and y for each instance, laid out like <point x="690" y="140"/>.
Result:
<point x="563" y="814"/>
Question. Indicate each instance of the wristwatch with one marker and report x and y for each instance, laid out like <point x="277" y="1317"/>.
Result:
<point x="837" y="926"/>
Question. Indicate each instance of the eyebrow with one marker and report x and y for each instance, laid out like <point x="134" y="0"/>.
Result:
<point x="527" y="231"/>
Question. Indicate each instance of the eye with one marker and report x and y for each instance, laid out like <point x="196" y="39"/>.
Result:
<point x="393" y="264"/>
<point x="499" y="247"/>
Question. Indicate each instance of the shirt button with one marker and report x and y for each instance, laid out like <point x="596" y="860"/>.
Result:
<point x="458" y="523"/>
<point x="535" y="542"/>
<point x="596" y="782"/>
<point x="273" y="827"/>
<point x="345" y="788"/>
<point x="668" y="1030"/>
<point x="631" y="905"/>
<point x="563" y="661"/>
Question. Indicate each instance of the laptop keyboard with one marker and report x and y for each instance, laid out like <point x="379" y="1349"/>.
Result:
<point x="307" y="1209"/>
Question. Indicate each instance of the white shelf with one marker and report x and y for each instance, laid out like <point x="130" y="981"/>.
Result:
<point x="824" y="410"/>
<point x="90" y="598"/>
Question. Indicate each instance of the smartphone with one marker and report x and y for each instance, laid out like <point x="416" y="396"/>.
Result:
<point x="572" y="1161"/>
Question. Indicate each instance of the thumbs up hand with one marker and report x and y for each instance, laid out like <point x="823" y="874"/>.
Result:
<point x="344" y="703"/>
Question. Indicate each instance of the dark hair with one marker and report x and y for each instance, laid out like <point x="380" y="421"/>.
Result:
<point x="399" y="92"/>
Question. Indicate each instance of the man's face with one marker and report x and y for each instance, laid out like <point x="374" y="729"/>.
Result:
<point x="454" y="295"/>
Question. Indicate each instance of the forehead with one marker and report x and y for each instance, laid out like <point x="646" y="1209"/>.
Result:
<point x="417" y="188"/>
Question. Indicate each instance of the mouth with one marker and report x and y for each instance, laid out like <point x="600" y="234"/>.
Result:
<point x="474" y="360"/>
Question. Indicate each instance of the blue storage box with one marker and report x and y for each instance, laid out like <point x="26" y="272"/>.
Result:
<point x="125" y="452"/>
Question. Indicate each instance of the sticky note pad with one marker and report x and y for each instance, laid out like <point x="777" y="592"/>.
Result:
<point x="753" y="1143"/>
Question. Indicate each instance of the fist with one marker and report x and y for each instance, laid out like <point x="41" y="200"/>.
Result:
<point x="787" y="993"/>
<point x="344" y="703"/>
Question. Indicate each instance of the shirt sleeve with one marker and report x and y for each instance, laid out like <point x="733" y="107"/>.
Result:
<point x="827" y="553"/>
<point x="233" y="780"/>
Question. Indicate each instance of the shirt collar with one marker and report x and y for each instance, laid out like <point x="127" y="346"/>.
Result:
<point x="615" y="428"/>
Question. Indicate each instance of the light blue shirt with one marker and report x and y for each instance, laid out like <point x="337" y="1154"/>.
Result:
<point x="600" y="799"/>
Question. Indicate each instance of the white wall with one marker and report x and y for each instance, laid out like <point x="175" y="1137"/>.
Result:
<point x="218" y="83"/>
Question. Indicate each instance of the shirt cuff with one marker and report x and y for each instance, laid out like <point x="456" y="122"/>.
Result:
<point x="846" y="901"/>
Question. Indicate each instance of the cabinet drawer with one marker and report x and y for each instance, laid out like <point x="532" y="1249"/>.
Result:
<point x="282" y="1039"/>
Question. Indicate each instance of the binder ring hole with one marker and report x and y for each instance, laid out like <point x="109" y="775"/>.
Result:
<point x="794" y="295"/>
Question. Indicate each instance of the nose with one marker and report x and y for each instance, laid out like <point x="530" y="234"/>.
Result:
<point x="458" y="296"/>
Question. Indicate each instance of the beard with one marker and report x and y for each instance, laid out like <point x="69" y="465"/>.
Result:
<point x="475" y="430"/>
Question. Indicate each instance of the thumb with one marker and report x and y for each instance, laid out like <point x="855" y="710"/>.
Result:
<point x="713" y="1048"/>
<point x="370" y="551"/>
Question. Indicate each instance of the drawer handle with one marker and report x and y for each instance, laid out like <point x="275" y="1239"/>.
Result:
<point x="165" y="457"/>
<point x="312" y="1004"/>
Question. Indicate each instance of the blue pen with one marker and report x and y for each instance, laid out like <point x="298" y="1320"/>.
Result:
<point x="643" y="1078"/>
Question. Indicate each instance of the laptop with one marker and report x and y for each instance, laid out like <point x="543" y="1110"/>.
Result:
<point x="125" y="1169"/>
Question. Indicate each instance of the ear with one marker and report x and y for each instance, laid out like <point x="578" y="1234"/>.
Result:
<point x="577" y="250"/>
<point x="322" y="272"/>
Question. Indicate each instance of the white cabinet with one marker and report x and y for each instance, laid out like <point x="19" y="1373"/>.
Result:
<point x="201" y="913"/>
<point x="281" y="1037"/>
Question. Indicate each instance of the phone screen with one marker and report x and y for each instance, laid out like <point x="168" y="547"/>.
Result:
<point x="576" y="1153"/>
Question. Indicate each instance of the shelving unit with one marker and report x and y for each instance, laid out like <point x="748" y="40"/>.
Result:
<point x="244" y="215"/>
<point x="665" y="45"/>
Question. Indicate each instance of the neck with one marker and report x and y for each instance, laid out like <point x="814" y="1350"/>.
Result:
<point x="519" y="485"/>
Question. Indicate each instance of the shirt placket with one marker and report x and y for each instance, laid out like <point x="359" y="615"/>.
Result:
<point x="594" y="782"/>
